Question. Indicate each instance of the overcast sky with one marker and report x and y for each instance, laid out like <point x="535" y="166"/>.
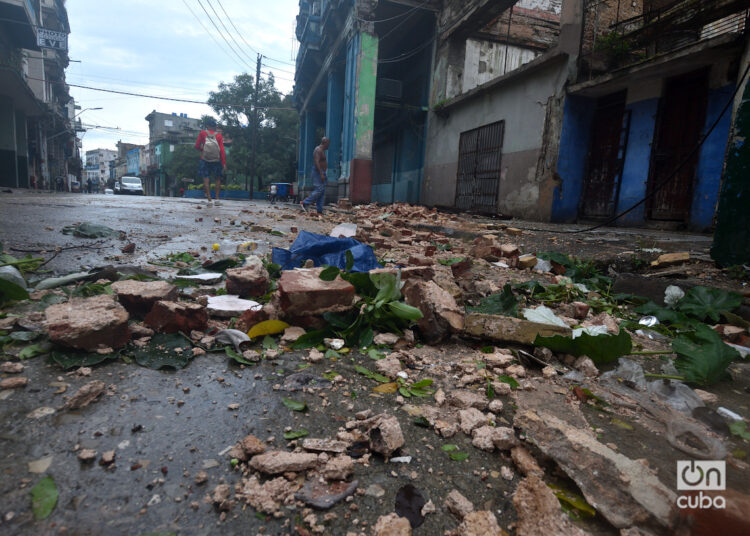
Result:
<point x="161" y="48"/>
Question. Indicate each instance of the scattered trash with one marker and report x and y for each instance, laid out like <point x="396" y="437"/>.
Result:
<point x="90" y="230"/>
<point x="729" y="414"/>
<point x="325" y="251"/>
<point x="344" y="230"/>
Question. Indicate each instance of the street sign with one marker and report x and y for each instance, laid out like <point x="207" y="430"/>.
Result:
<point x="51" y="39"/>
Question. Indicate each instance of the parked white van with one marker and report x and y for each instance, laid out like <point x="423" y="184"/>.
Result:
<point x="129" y="185"/>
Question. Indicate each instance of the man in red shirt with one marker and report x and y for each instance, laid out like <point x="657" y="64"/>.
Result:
<point x="213" y="162"/>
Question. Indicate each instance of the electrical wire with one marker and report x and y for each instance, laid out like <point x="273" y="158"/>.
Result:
<point x="206" y="30"/>
<point x="221" y="34"/>
<point x="410" y="54"/>
<point x="221" y="21"/>
<point x="174" y="99"/>
<point x="276" y="68"/>
<point x="404" y="14"/>
<point x="242" y="37"/>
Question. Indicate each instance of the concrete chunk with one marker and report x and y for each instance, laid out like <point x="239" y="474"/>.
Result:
<point x="276" y="462"/>
<point x="248" y="281"/>
<point x="441" y="314"/>
<point x="509" y="329"/>
<point x="303" y="293"/>
<point x="88" y="323"/>
<point x="138" y="297"/>
<point x="173" y="316"/>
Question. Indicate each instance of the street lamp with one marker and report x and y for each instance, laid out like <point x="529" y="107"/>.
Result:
<point x="86" y="109"/>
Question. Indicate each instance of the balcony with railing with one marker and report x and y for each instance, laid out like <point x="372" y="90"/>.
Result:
<point x="657" y="32"/>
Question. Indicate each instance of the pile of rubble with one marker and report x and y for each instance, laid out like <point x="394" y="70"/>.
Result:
<point x="530" y="408"/>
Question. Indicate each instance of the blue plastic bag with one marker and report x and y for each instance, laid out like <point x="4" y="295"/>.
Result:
<point x="325" y="251"/>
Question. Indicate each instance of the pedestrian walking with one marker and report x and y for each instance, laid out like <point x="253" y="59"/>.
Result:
<point x="320" y="167"/>
<point x="213" y="163"/>
<point x="58" y="184"/>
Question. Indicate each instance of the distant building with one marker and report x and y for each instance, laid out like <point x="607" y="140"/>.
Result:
<point x="99" y="165"/>
<point x="165" y="132"/>
<point x="37" y="132"/>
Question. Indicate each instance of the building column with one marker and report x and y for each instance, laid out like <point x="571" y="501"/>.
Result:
<point x="731" y="244"/>
<point x="8" y="153"/>
<point x="307" y="145"/>
<point x="359" y="114"/>
<point x="334" y="123"/>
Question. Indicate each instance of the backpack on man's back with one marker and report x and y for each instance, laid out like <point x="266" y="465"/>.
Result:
<point x="211" y="150"/>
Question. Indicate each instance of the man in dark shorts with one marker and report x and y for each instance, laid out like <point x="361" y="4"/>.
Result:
<point x="213" y="162"/>
<point x="320" y="167"/>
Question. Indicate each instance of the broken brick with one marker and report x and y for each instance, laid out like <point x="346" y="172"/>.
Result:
<point x="88" y="323"/>
<point x="303" y="293"/>
<point x="138" y="297"/>
<point x="173" y="316"/>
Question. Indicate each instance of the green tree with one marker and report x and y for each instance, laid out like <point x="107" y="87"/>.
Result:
<point x="277" y="126"/>
<point x="183" y="164"/>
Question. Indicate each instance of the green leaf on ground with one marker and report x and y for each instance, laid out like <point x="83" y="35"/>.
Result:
<point x="90" y="230"/>
<point x="236" y="356"/>
<point x="269" y="343"/>
<point x="404" y="311"/>
<point x="574" y="501"/>
<point x="504" y="304"/>
<point x="702" y="302"/>
<point x="34" y="350"/>
<point x="459" y="456"/>
<point x="172" y="350"/>
<point x="421" y="421"/>
<point x="509" y="380"/>
<point x="739" y="428"/>
<point x="451" y="261"/>
<point x="449" y="448"/>
<point x="69" y="359"/>
<point x="330" y="376"/>
<point x="702" y="357"/>
<point x="309" y="340"/>
<point x="601" y="349"/>
<point x="375" y="355"/>
<point x="87" y="290"/>
<point x="296" y="435"/>
<point x="371" y="375"/>
<point x="25" y="336"/>
<point x="9" y="291"/>
<point x="329" y="273"/>
<point x="294" y="405"/>
<point x="44" y="498"/>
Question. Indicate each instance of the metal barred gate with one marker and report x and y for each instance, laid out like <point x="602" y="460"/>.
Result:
<point x="479" y="159"/>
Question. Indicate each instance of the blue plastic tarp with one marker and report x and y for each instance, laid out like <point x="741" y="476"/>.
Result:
<point x="325" y="251"/>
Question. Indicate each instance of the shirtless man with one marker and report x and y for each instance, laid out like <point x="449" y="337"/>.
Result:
<point x="320" y="166"/>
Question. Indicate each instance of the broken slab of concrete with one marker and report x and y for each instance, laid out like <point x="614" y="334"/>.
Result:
<point x="303" y="293"/>
<point x="385" y="435"/>
<point x="324" y="445"/>
<point x="670" y="259"/>
<point x="229" y="306"/>
<point x="138" y="297"/>
<point x="267" y="497"/>
<point x="539" y="512"/>
<point x="509" y="329"/>
<point x="85" y="395"/>
<point x="482" y="523"/>
<point x="624" y="491"/>
<point x="278" y="461"/>
<point x="248" y="281"/>
<point x="457" y="504"/>
<point x="173" y="316"/>
<point x="88" y="323"/>
<point x="392" y="525"/>
<point x="441" y="315"/>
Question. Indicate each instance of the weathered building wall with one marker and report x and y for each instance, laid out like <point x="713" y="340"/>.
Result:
<point x="520" y="100"/>
<point x="644" y="95"/>
<point x="486" y="60"/>
<point x="601" y="14"/>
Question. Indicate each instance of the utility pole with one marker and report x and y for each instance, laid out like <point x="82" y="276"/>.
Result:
<point x="255" y="120"/>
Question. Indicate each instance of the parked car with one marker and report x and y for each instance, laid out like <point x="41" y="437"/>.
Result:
<point x="129" y="185"/>
<point x="75" y="186"/>
<point x="108" y="191"/>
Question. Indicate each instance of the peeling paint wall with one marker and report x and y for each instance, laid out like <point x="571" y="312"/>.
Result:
<point x="366" y="85"/>
<point x="486" y="60"/>
<point x="522" y="103"/>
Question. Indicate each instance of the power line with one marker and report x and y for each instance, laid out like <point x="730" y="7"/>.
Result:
<point x="221" y="21"/>
<point x="243" y="38"/>
<point x="277" y="68"/>
<point x="206" y="30"/>
<point x="406" y="55"/>
<point x="404" y="14"/>
<point x="211" y="20"/>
